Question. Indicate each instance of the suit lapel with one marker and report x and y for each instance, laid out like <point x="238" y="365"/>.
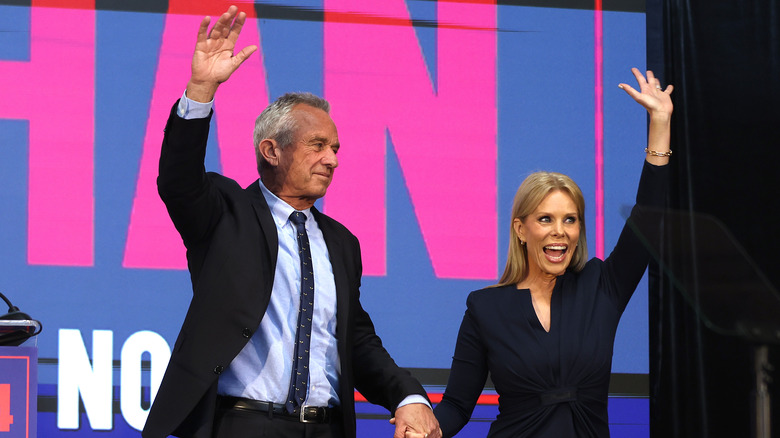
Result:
<point x="266" y="220"/>
<point x="337" y="262"/>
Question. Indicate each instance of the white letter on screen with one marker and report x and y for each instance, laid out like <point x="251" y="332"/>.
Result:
<point x="130" y="377"/>
<point x="76" y="376"/>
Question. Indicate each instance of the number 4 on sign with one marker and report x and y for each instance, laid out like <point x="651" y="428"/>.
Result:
<point x="6" y="419"/>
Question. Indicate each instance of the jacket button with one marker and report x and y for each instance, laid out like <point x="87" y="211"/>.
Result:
<point x="218" y="369"/>
<point x="247" y="333"/>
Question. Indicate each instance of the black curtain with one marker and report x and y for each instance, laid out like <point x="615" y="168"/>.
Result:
<point x="723" y="57"/>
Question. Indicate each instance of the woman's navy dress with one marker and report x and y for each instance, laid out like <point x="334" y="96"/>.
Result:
<point x="551" y="384"/>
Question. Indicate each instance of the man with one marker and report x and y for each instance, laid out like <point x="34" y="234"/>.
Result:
<point x="275" y="340"/>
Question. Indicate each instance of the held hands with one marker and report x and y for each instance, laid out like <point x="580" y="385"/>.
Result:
<point x="415" y="420"/>
<point x="213" y="60"/>
<point x="656" y="100"/>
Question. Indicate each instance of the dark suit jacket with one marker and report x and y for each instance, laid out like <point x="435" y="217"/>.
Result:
<point x="232" y="245"/>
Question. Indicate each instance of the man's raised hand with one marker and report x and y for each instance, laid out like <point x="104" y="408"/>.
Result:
<point x="214" y="59"/>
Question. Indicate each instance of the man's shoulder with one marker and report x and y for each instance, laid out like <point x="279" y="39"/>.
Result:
<point x="328" y="224"/>
<point x="222" y="180"/>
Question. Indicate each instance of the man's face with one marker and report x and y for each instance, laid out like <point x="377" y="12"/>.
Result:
<point x="306" y="166"/>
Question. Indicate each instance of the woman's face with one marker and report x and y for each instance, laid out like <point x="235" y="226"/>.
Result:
<point x="550" y="234"/>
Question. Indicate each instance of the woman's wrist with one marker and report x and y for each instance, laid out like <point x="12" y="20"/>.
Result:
<point x="660" y="118"/>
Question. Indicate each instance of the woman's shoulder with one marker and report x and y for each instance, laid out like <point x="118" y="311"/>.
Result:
<point x="489" y="294"/>
<point x="592" y="266"/>
<point x="592" y="270"/>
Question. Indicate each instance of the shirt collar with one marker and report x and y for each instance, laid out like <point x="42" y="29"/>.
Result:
<point x="281" y="210"/>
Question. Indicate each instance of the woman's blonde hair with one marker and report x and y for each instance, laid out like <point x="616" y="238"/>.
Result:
<point x="529" y="195"/>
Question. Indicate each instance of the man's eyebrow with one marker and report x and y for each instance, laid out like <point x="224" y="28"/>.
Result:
<point x="322" y="139"/>
<point x="315" y="138"/>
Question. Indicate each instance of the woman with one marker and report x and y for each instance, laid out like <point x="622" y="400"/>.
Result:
<point x="546" y="331"/>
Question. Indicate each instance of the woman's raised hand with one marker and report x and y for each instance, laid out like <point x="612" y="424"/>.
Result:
<point x="651" y="95"/>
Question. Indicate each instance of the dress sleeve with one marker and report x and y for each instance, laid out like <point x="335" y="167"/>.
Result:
<point x="626" y="264"/>
<point x="468" y="374"/>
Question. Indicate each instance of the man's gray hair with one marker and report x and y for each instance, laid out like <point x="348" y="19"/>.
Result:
<point x="276" y="123"/>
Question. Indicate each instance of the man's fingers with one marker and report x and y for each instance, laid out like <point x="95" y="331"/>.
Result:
<point x="203" y="30"/>
<point x="221" y="28"/>
<point x="245" y="53"/>
<point x="235" y="30"/>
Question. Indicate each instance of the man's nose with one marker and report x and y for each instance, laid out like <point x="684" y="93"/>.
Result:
<point x="330" y="159"/>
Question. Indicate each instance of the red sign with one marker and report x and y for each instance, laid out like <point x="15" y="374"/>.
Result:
<point x="18" y="392"/>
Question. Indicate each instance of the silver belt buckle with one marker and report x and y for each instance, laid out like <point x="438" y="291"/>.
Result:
<point x="302" y="414"/>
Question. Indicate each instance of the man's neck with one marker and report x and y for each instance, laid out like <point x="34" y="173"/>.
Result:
<point x="297" y="202"/>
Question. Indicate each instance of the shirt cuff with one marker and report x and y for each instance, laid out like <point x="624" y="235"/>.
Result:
<point x="190" y="109"/>
<point x="414" y="398"/>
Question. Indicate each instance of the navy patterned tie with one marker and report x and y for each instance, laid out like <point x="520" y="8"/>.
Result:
<point x="300" y="370"/>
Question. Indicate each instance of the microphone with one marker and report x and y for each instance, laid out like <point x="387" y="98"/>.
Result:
<point x="11" y="336"/>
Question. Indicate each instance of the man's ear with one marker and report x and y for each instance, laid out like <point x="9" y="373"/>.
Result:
<point x="269" y="151"/>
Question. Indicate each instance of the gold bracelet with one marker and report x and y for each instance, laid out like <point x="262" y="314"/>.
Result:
<point x="658" y="154"/>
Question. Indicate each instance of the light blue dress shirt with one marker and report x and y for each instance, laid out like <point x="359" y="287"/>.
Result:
<point x="270" y="350"/>
<point x="261" y="371"/>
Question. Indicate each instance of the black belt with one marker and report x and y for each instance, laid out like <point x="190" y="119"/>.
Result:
<point x="303" y="414"/>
